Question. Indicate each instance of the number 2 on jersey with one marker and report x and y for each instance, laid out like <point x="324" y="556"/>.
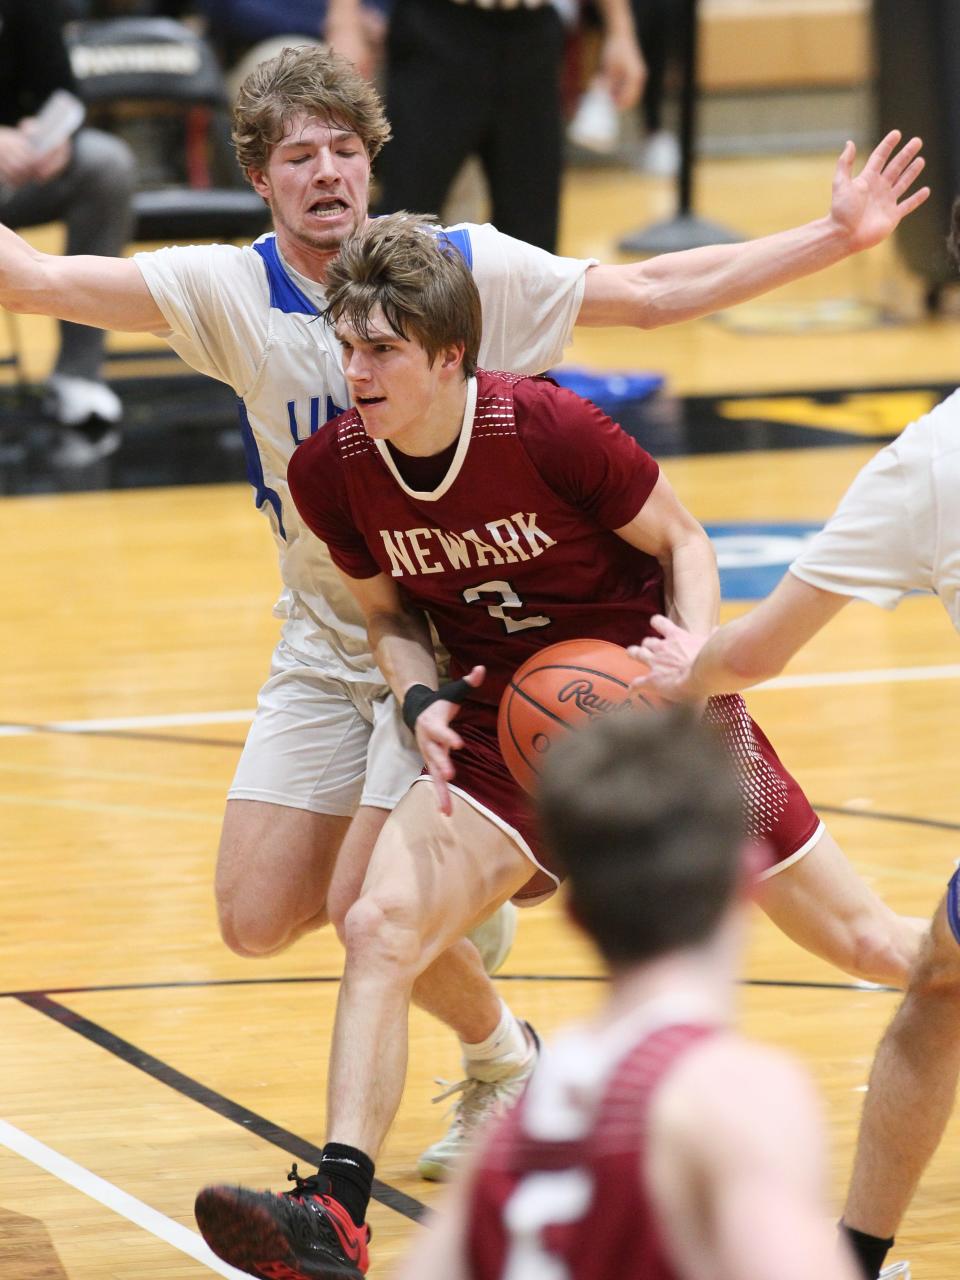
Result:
<point x="508" y="600"/>
<point x="540" y="1200"/>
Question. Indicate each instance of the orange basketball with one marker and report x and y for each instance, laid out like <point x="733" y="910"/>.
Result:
<point x="561" y="688"/>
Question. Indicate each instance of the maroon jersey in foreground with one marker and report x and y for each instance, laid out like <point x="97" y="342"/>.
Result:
<point x="506" y="540"/>
<point x="562" y="1179"/>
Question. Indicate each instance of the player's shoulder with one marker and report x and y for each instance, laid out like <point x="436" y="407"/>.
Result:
<point x="524" y="395"/>
<point x="725" y="1081"/>
<point x="239" y="267"/>
<point x="342" y="437"/>
<point x="540" y="397"/>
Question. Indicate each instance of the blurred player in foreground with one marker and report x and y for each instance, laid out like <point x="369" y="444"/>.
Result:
<point x="896" y="530"/>
<point x="652" y="1141"/>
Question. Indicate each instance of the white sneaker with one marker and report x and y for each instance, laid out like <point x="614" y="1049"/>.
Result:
<point x="896" y="1271"/>
<point x="596" y="122"/>
<point x="74" y="401"/>
<point x="661" y="155"/>
<point x="80" y="447"/>
<point x="480" y="1101"/>
<point x="494" y="938"/>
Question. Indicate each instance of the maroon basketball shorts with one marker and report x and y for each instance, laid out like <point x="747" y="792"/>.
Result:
<point x="775" y="808"/>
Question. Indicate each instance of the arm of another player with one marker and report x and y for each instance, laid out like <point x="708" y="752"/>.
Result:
<point x="735" y="1165"/>
<point x="108" y="293"/>
<point x="402" y="646"/>
<point x="694" y="282"/>
<point x="664" y="528"/>
<point x="687" y="665"/>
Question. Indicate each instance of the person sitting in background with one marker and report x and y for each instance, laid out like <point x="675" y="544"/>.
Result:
<point x="86" y="180"/>
<point x="247" y="32"/>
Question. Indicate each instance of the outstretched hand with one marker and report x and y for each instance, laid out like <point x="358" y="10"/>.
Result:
<point x="868" y="207"/>
<point x="436" y="739"/>
<point x="670" y="655"/>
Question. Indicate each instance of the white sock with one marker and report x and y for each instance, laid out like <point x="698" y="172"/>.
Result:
<point x="506" y="1048"/>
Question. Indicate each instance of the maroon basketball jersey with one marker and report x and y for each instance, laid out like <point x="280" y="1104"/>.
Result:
<point x="512" y="548"/>
<point x="560" y="1191"/>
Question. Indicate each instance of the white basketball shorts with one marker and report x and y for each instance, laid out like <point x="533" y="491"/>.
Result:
<point x="324" y="744"/>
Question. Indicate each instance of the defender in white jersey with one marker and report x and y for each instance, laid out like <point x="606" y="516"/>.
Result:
<point x="896" y="530"/>
<point x="307" y="128"/>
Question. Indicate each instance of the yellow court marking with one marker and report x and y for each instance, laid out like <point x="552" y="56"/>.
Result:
<point x="875" y="413"/>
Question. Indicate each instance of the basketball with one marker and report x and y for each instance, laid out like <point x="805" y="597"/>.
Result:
<point x="561" y="688"/>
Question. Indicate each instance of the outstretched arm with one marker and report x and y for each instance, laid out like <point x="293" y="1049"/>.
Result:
<point x="686" y="666"/>
<point x="108" y="293"/>
<point x="681" y="286"/>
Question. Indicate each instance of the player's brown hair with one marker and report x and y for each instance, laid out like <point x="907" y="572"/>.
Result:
<point x="311" y="79"/>
<point x="644" y="815"/>
<point x="405" y="265"/>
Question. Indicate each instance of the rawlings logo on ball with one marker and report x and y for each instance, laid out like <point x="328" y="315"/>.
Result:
<point x="581" y="691"/>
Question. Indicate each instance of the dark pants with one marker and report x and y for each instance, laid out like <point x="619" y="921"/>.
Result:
<point x="465" y="81"/>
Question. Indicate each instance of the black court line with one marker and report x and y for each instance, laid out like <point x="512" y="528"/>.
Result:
<point x="289" y="1142"/>
<point x="33" y="997"/>
<point x="875" y="815"/>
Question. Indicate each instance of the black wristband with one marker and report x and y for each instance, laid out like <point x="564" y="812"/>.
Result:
<point x="418" y="697"/>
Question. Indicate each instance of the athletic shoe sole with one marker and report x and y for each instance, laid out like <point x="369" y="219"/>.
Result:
<point x="242" y="1232"/>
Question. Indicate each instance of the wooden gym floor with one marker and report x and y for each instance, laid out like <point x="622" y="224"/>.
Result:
<point x="142" y="1059"/>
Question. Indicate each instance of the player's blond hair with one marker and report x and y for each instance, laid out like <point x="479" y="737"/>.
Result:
<point x="311" y="80"/>
<point x="409" y="268"/>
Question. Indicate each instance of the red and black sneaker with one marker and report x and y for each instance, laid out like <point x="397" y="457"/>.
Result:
<point x="302" y="1234"/>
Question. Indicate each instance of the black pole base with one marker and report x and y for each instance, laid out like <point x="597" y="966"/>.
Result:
<point x="685" y="231"/>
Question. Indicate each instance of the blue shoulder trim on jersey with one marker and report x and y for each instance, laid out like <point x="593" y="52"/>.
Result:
<point x="285" y="295"/>
<point x="461" y="242"/>
<point x="953" y="906"/>
<point x="262" y="492"/>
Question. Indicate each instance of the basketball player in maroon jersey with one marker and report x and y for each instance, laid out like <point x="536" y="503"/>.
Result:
<point x="652" y="1142"/>
<point x="514" y="514"/>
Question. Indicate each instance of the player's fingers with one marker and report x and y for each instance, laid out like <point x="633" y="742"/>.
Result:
<point x="442" y="792"/>
<point x="909" y="176"/>
<point x="845" y="160"/>
<point x="641" y="681"/>
<point x="646" y="651"/>
<point x="438" y="748"/>
<point x="476" y="677"/>
<point x="663" y="625"/>
<point x="882" y="152"/>
<point x="912" y="202"/>
<point x="903" y="158"/>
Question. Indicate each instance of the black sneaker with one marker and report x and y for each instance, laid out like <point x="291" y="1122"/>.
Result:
<point x="302" y="1234"/>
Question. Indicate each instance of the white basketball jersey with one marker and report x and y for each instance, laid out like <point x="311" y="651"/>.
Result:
<point x="245" y="317"/>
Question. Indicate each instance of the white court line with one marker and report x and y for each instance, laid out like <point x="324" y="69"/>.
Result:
<point x="187" y="719"/>
<point x="885" y="675"/>
<point x="184" y="719"/>
<point x="112" y="1197"/>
